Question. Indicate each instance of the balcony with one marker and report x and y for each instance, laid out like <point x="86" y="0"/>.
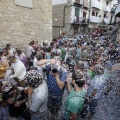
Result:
<point x="106" y="20"/>
<point x="113" y="10"/>
<point x="78" y="2"/>
<point x="84" y="21"/>
<point x="77" y="20"/>
<point x="97" y="5"/>
<point x="117" y="12"/>
<point x="94" y="19"/>
<point x="107" y="9"/>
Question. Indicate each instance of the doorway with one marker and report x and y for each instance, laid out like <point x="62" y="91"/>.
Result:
<point x="76" y="30"/>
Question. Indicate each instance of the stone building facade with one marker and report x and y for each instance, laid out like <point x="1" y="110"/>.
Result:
<point x="20" y="25"/>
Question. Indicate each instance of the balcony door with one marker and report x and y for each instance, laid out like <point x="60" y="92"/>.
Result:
<point x="77" y="12"/>
<point x="84" y="14"/>
<point x="76" y="27"/>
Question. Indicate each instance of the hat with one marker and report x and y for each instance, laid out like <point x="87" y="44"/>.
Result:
<point x="34" y="79"/>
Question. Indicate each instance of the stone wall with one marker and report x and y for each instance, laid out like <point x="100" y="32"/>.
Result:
<point x="57" y="17"/>
<point x="57" y="14"/>
<point x="20" y="25"/>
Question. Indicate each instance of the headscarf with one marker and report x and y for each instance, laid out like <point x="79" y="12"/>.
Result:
<point x="34" y="79"/>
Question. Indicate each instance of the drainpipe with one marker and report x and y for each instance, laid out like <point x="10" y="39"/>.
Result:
<point x="64" y="13"/>
<point x="89" y="18"/>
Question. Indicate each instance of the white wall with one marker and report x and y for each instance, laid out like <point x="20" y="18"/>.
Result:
<point x="57" y="2"/>
<point x="72" y="13"/>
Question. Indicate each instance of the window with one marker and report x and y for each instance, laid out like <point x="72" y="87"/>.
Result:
<point x="84" y="15"/>
<point x="105" y="15"/>
<point x="93" y="13"/>
<point x="96" y="13"/>
<point x="77" y="11"/>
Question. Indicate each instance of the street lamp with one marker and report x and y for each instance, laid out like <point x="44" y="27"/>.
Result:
<point x="89" y="18"/>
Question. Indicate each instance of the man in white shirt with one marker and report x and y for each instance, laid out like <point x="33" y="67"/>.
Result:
<point x="18" y="71"/>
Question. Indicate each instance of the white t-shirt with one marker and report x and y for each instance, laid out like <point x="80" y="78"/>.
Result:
<point x="39" y="101"/>
<point x="19" y="70"/>
<point x="11" y="51"/>
<point x="58" y="51"/>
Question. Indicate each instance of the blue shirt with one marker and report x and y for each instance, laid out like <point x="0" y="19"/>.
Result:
<point x="53" y="87"/>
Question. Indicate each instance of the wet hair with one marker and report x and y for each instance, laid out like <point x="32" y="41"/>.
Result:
<point x="32" y="42"/>
<point x="8" y="45"/>
<point x="19" y="51"/>
<point x="79" y="78"/>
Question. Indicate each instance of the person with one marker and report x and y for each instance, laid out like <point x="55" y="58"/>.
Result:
<point x="11" y="51"/>
<point x="38" y="95"/>
<point x="95" y="88"/>
<point x="22" y="57"/>
<point x="30" y="49"/>
<point x="15" y="99"/>
<point x="85" y="73"/>
<point x="63" y="51"/>
<point x="58" y="50"/>
<point x="4" y="65"/>
<point x="39" y="52"/>
<point x="79" y="51"/>
<point x="75" y="100"/>
<point x="18" y="71"/>
<point x="48" y="53"/>
<point x="56" y="77"/>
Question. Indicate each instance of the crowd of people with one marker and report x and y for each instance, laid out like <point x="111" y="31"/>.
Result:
<point x="70" y="78"/>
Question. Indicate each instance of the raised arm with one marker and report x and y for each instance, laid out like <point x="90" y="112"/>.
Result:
<point x="43" y="62"/>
